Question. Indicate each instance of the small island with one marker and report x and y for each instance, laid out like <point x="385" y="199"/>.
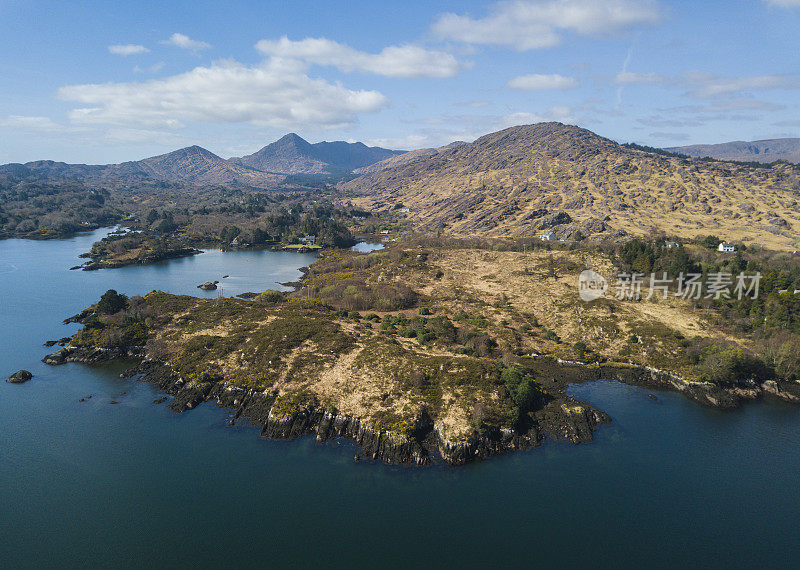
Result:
<point x="427" y="351"/>
<point x="119" y="250"/>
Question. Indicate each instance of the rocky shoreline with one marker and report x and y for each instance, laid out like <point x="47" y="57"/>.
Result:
<point x="426" y="442"/>
<point x="423" y="444"/>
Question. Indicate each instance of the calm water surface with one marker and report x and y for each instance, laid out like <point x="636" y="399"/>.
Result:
<point x="668" y="483"/>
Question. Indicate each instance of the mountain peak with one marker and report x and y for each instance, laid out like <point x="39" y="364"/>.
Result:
<point x="292" y="154"/>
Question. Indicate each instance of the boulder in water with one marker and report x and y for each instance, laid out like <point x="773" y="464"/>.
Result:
<point x="20" y="377"/>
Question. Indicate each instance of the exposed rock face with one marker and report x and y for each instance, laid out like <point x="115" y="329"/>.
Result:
<point x="90" y="355"/>
<point x="19" y="377"/>
<point x="554" y="220"/>
<point x="207" y="286"/>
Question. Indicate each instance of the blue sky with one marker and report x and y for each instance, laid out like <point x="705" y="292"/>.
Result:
<point x="104" y="82"/>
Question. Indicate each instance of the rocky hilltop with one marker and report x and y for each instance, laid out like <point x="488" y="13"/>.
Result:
<point x="765" y="151"/>
<point x="518" y="180"/>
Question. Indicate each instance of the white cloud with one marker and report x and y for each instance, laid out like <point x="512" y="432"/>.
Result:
<point x="561" y="114"/>
<point x="276" y="93"/>
<point x="444" y="129"/>
<point x="784" y="3"/>
<point x="670" y="136"/>
<point x="127" y="49"/>
<point x="185" y="42"/>
<point x="42" y="124"/>
<point x="536" y="82"/>
<point x="392" y="61"/>
<point x="127" y="135"/>
<point x="708" y="86"/>
<point x="155" y="68"/>
<point x="628" y="78"/>
<point x="534" y="24"/>
<point x="408" y="142"/>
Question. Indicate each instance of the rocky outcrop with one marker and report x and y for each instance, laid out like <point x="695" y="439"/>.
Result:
<point x="208" y="286"/>
<point x="19" y="377"/>
<point x="90" y="355"/>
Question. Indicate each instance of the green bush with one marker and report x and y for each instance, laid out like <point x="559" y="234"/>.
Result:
<point x="551" y="335"/>
<point x="112" y="302"/>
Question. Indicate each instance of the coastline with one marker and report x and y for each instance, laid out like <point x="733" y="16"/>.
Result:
<point x="425" y="442"/>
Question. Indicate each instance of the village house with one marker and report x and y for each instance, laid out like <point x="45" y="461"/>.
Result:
<point x="308" y="239"/>
<point x="548" y="236"/>
<point x="726" y="247"/>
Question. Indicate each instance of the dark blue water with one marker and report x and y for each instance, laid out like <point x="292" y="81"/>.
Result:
<point x="668" y="483"/>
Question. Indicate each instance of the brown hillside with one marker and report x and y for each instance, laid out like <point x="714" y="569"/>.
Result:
<point x="517" y="181"/>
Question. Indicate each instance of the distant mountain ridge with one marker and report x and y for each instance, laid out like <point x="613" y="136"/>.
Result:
<point x="768" y="150"/>
<point x="292" y="154"/>
<point x="196" y="165"/>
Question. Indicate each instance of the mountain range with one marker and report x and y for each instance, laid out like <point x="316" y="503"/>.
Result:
<point x="293" y="155"/>
<point x="523" y="180"/>
<point x="756" y="151"/>
<point x="195" y="165"/>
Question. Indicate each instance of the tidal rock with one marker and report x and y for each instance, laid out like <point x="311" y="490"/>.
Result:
<point x="207" y="286"/>
<point x="20" y="377"/>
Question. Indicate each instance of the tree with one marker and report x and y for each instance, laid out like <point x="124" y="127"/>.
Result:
<point x="711" y="242"/>
<point x="112" y="302"/>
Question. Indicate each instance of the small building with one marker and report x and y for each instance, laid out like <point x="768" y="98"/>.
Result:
<point x="385" y="232"/>
<point x="671" y="244"/>
<point x="308" y="239"/>
<point x="726" y="247"/>
<point x="548" y="236"/>
<point x="405" y="210"/>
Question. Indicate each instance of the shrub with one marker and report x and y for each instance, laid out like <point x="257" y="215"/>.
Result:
<point x="728" y="365"/>
<point x="782" y="354"/>
<point x="271" y="296"/>
<point x="112" y="302"/>
<point x="524" y="392"/>
<point x="426" y="336"/>
<point x="551" y="335"/>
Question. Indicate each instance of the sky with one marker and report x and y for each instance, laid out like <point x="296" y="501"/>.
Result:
<point x="101" y="82"/>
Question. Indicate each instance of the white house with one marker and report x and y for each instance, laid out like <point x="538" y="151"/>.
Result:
<point x="671" y="244"/>
<point x="548" y="236"/>
<point x="726" y="247"/>
<point x="308" y="239"/>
